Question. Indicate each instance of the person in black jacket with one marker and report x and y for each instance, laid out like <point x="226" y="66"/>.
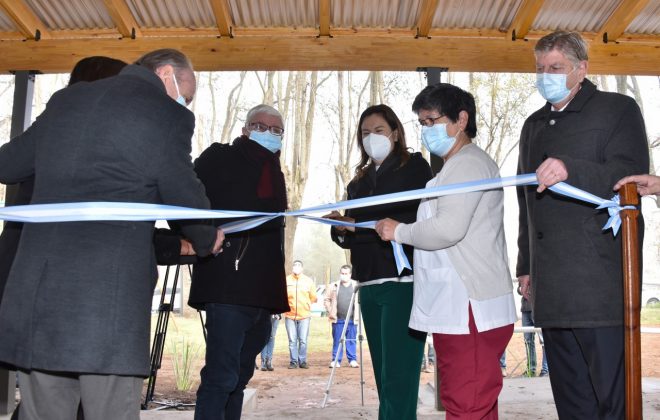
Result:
<point x="243" y="285"/>
<point x="386" y="166"/>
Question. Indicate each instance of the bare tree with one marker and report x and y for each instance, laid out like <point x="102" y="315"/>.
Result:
<point x="231" y="115"/>
<point x="305" y="86"/>
<point x="501" y="109"/>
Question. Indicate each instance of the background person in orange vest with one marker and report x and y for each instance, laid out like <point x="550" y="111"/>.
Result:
<point x="302" y="293"/>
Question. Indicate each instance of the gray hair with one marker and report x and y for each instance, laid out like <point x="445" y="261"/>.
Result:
<point x="346" y="267"/>
<point x="570" y="44"/>
<point x="159" y="58"/>
<point x="263" y="109"/>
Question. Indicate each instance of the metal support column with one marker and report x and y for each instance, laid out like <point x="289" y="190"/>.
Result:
<point x="433" y="76"/>
<point x="20" y="120"/>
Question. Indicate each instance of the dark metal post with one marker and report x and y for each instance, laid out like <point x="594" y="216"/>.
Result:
<point x="433" y="76"/>
<point x="631" y="302"/>
<point x="20" y="120"/>
<point x="21" y="115"/>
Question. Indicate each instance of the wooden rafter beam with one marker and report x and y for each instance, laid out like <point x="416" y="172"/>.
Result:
<point x="122" y="17"/>
<point x="426" y="13"/>
<point x="525" y="16"/>
<point x="395" y="53"/>
<point x="222" y="13"/>
<point x="618" y="21"/>
<point x="324" y="17"/>
<point x="26" y="20"/>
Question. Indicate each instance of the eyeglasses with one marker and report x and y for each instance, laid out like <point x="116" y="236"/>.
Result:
<point x="278" y="131"/>
<point x="429" y="122"/>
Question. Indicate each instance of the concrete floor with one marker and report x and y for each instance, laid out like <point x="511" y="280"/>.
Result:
<point x="521" y="398"/>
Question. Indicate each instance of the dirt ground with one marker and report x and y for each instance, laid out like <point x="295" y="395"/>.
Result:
<point x="301" y="391"/>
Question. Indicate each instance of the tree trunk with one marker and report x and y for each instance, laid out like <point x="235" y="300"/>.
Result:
<point x="231" y="115"/>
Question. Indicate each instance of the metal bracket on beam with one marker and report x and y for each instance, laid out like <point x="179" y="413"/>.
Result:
<point x="605" y="40"/>
<point x="37" y="35"/>
<point x="417" y="35"/>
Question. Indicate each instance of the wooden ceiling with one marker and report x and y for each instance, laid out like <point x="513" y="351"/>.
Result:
<point x="480" y="35"/>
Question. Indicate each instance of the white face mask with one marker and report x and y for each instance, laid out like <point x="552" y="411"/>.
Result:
<point x="345" y="278"/>
<point x="297" y="269"/>
<point x="377" y="146"/>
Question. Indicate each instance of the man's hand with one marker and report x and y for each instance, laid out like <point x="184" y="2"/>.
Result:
<point x="385" y="229"/>
<point x="219" y="239"/>
<point x="646" y="184"/>
<point x="525" y="284"/>
<point x="335" y="215"/>
<point x="550" y="172"/>
<point x="187" y="248"/>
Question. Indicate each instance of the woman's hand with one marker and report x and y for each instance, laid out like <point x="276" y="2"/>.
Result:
<point x="335" y="215"/>
<point x="385" y="229"/>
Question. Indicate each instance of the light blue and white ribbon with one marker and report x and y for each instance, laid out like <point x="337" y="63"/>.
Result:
<point x="104" y="211"/>
<point x="400" y="257"/>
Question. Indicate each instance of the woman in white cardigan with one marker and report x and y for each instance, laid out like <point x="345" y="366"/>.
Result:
<point x="462" y="287"/>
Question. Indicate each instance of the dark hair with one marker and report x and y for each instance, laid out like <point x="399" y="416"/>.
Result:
<point x="158" y="58"/>
<point x="346" y="267"/>
<point x="94" y="68"/>
<point x="449" y="100"/>
<point x="393" y="121"/>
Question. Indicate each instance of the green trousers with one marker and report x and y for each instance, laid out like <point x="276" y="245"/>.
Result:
<point x="396" y="351"/>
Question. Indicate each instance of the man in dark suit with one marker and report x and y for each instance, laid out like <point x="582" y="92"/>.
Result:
<point x="75" y="315"/>
<point x="589" y="139"/>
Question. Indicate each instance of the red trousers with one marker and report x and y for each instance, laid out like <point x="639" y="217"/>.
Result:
<point x="469" y="371"/>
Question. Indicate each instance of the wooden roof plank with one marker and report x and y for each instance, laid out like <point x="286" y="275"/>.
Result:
<point x="26" y="20"/>
<point x="222" y="13"/>
<point x="524" y="18"/>
<point x="396" y="53"/>
<point x="324" y="17"/>
<point x="619" y="20"/>
<point x="122" y="17"/>
<point x="426" y="14"/>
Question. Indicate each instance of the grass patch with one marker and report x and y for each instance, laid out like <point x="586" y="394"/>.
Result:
<point x="651" y="315"/>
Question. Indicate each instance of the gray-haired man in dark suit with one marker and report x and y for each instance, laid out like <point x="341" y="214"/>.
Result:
<point x="75" y="316"/>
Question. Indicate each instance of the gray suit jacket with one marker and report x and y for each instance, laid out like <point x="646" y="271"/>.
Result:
<point x="78" y="296"/>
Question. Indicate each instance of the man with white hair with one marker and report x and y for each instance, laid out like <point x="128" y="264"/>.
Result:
<point x="243" y="285"/>
<point x="589" y="139"/>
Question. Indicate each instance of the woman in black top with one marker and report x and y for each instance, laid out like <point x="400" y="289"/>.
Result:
<point x="385" y="295"/>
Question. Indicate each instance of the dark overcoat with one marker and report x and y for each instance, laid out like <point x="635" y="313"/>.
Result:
<point x="79" y="294"/>
<point x="574" y="265"/>
<point x="250" y="269"/>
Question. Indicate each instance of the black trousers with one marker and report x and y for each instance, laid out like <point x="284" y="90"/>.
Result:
<point x="587" y="372"/>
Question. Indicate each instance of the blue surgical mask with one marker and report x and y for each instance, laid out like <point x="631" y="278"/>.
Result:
<point x="180" y="99"/>
<point x="267" y="139"/>
<point x="436" y="139"/>
<point x="553" y="86"/>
